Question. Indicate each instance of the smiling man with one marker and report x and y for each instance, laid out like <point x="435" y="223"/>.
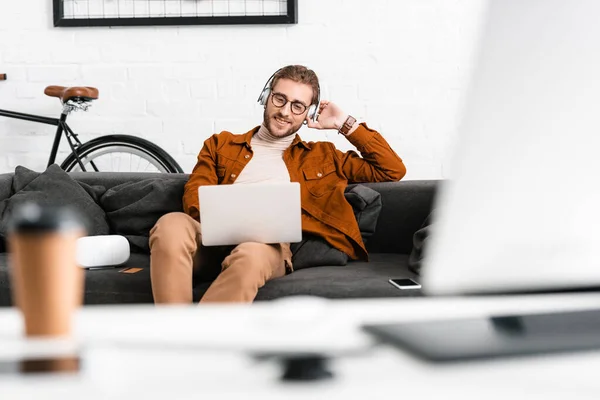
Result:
<point x="271" y="152"/>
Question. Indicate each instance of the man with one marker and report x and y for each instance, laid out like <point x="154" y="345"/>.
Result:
<point x="271" y="152"/>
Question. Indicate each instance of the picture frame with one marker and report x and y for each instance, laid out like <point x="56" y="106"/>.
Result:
<point x="82" y="13"/>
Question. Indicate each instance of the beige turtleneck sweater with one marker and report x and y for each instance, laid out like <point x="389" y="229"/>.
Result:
<point x="266" y="165"/>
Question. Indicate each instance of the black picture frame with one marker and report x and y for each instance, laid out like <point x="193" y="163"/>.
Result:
<point x="291" y="17"/>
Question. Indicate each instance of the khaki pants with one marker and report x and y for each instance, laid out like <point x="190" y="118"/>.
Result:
<point x="176" y="256"/>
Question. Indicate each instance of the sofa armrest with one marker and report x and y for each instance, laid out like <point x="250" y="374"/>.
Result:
<point x="405" y="205"/>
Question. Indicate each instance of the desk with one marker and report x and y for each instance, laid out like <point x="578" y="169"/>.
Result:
<point x="198" y="352"/>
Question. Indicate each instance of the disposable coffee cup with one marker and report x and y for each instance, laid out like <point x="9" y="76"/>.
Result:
<point x="46" y="283"/>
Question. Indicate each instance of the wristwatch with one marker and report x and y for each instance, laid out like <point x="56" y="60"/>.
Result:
<point x="347" y="125"/>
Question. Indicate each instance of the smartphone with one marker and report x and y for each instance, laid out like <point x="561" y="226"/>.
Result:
<point x="405" y="283"/>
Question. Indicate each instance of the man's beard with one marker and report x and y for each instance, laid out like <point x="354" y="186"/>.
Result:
<point x="274" y="128"/>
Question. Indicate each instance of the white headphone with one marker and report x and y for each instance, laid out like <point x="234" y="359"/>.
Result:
<point x="312" y="110"/>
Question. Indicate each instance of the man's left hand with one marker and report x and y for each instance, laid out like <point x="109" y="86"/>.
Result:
<point x="330" y="117"/>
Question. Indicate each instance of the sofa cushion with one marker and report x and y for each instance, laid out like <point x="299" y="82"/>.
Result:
<point x="356" y="280"/>
<point x="406" y="204"/>
<point x="103" y="286"/>
<point x="133" y="208"/>
<point x="313" y="251"/>
<point x="112" y="179"/>
<point x="5" y="299"/>
<point x="129" y="283"/>
<point x="420" y="240"/>
<point x="54" y="187"/>
<point x="366" y="204"/>
<point x="5" y="185"/>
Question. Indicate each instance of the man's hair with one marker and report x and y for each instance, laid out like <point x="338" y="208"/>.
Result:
<point x="300" y="74"/>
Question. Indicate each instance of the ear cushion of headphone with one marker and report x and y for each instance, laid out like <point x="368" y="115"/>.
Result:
<point x="262" y="100"/>
<point x="312" y="111"/>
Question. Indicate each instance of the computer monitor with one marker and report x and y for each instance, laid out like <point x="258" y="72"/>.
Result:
<point x="520" y="210"/>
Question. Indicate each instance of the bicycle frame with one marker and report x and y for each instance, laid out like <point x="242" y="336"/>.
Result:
<point x="62" y="127"/>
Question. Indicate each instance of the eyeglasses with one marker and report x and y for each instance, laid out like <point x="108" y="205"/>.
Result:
<point x="279" y="100"/>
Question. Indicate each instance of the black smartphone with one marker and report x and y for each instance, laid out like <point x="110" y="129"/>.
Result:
<point x="405" y="283"/>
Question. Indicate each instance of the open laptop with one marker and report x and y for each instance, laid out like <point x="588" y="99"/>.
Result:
<point x="521" y="210"/>
<point x="257" y="212"/>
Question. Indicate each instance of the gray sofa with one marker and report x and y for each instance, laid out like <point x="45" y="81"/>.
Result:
<point x="406" y="204"/>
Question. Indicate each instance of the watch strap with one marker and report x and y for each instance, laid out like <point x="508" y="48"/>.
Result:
<point x="347" y="125"/>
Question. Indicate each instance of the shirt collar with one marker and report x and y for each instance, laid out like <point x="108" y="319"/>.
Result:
<point x="299" y="141"/>
<point x="246" y="137"/>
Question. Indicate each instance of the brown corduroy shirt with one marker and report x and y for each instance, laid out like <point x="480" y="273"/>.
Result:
<point x="322" y="171"/>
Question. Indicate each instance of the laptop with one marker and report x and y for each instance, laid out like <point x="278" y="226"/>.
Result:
<point x="520" y="211"/>
<point x="257" y="212"/>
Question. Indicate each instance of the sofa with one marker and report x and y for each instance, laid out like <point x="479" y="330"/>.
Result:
<point x="405" y="205"/>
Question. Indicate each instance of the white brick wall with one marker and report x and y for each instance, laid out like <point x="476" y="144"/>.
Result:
<point x="400" y="65"/>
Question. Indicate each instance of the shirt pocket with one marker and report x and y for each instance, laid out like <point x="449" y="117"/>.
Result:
<point x="224" y="167"/>
<point x="320" y="180"/>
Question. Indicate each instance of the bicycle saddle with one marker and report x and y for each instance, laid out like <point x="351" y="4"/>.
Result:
<point x="66" y="93"/>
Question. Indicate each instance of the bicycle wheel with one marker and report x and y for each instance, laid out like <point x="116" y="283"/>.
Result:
<point x="121" y="153"/>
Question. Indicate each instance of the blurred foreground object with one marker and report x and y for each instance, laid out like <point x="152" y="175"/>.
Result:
<point x="520" y="211"/>
<point x="47" y="286"/>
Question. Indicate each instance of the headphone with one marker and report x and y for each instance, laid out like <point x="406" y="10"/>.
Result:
<point x="312" y="110"/>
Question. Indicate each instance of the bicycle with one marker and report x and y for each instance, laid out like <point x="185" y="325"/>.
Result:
<point x="99" y="153"/>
